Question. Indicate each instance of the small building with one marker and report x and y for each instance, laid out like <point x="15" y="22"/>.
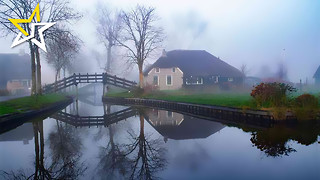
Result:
<point x="189" y="68"/>
<point x="316" y="76"/>
<point x="15" y="72"/>
<point x="251" y="81"/>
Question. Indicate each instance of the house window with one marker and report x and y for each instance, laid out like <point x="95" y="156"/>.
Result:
<point x="173" y="69"/>
<point x="169" y="114"/>
<point x="157" y="70"/>
<point x="194" y="80"/>
<point x="199" y="80"/>
<point x="230" y="79"/>
<point x="169" y="80"/>
<point x="155" y="80"/>
<point x="216" y="79"/>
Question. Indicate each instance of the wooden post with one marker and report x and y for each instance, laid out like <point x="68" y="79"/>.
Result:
<point x="87" y="77"/>
<point x="77" y="91"/>
<point x="103" y="90"/>
<point x="77" y="107"/>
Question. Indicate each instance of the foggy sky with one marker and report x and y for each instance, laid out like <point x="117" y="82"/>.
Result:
<point x="240" y="32"/>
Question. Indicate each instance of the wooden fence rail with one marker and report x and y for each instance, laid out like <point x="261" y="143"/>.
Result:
<point x="75" y="79"/>
<point x="104" y="120"/>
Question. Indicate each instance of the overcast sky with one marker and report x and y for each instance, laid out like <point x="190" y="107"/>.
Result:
<point x="252" y="32"/>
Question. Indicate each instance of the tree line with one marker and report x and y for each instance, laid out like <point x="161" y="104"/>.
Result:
<point x="134" y="31"/>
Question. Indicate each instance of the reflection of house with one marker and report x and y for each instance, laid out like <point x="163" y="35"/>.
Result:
<point x="22" y="133"/>
<point x="177" y="126"/>
<point x="178" y="68"/>
<point x="316" y="76"/>
<point x="158" y="118"/>
<point x="15" y="73"/>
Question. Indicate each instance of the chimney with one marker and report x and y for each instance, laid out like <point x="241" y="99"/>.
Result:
<point x="164" y="53"/>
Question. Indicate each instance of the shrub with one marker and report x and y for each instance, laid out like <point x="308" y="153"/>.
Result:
<point x="148" y="88"/>
<point x="306" y="100"/>
<point x="305" y="107"/>
<point x="274" y="94"/>
<point x="137" y="91"/>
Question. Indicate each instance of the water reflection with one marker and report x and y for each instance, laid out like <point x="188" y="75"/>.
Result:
<point x="144" y="146"/>
<point x="64" y="157"/>
<point x="22" y="133"/>
<point x="275" y="141"/>
<point x="172" y="125"/>
<point x="146" y="155"/>
<point x="65" y="145"/>
<point x="113" y="163"/>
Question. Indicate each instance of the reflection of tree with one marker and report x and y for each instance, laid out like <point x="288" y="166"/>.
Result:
<point x="271" y="146"/>
<point x="113" y="163"/>
<point x="65" y="160"/>
<point x="65" y="148"/>
<point x="274" y="141"/>
<point x="146" y="156"/>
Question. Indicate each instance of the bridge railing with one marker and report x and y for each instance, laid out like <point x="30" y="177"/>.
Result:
<point x="104" y="120"/>
<point x="75" y="79"/>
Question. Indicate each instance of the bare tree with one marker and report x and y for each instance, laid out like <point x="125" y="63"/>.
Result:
<point x="140" y="36"/>
<point x="19" y="9"/>
<point x="61" y="50"/>
<point x="51" y="10"/>
<point x="108" y="28"/>
<point x="282" y="72"/>
<point x="244" y="69"/>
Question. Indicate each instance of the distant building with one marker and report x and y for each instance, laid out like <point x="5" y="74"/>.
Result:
<point x="316" y="76"/>
<point x="252" y="81"/>
<point x="15" y="72"/>
<point x="178" y="68"/>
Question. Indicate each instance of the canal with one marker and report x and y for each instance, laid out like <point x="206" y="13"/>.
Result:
<point x="92" y="140"/>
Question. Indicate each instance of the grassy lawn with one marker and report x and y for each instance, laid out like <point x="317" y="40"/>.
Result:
<point x="219" y="98"/>
<point x="29" y="103"/>
<point x="240" y="100"/>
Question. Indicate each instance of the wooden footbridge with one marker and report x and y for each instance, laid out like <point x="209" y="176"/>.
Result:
<point x="104" y="120"/>
<point x="75" y="79"/>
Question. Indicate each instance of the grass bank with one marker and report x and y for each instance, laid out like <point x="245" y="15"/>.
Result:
<point x="23" y="104"/>
<point x="218" y="98"/>
<point x="239" y="100"/>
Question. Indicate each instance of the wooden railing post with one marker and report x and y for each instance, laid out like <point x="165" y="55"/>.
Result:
<point x="87" y="77"/>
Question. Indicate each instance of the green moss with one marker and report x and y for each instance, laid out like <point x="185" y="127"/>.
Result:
<point x="29" y="103"/>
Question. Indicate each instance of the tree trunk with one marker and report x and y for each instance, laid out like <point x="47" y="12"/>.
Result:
<point x="33" y="70"/>
<point x="39" y="87"/>
<point x="141" y="84"/>
<point x="36" y="148"/>
<point x="55" y="81"/>
<point x="141" y="126"/>
<point x="109" y="58"/>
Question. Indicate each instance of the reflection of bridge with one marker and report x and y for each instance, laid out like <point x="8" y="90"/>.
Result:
<point x="104" y="120"/>
<point x="75" y="79"/>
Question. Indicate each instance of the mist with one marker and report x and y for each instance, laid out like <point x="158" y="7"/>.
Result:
<point x="246" y="32"/>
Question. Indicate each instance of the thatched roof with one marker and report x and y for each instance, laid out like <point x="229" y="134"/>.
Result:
<point x="14" y="66"/>
<point x="195" y="63"/>
<point x="317" y="73"/>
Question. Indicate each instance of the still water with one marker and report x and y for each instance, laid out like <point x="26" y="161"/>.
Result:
<point x="148" y="143"/>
